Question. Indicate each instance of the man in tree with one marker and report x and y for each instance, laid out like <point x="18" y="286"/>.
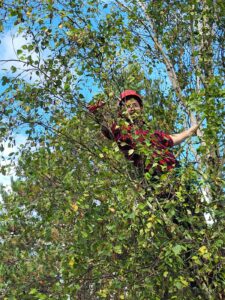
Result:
<point x="130" y="132"/>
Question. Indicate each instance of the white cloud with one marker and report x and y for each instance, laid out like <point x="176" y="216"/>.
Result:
<point x="11" y="41"/>
<point x="6" y="179"/>
<point x="20" y="139"/>
<point x="209" y="218"/>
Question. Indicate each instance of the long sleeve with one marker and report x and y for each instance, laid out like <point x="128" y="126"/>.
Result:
<point x="160" y="137"/>
<point x="95" y="109"/>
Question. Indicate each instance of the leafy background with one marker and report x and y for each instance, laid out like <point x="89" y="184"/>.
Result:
<point x="80" y="222"/>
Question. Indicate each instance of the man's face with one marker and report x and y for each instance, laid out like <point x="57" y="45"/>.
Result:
<point x="132" y="109"/>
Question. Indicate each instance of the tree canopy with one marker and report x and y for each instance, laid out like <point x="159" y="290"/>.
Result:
<point x="81" y="222"/>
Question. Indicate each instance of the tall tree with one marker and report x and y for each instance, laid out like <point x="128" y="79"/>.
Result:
<point x="81" y="222"/>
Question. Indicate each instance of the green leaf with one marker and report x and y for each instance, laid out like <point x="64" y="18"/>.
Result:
<point x="118" y="249"/>
<point x="33" y="291"/>
<point x="13" y="69"/>
<point x="177" y="249"/>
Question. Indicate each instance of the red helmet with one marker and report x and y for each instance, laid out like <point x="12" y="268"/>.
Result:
<point x="125" y="95"/>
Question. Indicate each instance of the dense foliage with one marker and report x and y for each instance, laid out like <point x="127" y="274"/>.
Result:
<point x="81" y="222"/>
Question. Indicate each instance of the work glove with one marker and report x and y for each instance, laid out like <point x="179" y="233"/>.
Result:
<point x="93" y="108"/>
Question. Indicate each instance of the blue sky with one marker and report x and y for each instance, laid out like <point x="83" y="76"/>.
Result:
<point x="10" y="43"/>
<point x="8" y="46"/>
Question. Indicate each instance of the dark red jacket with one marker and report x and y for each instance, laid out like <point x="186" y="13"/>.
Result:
<point x="129" y="137"/>
<point x="157" y="142"/>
